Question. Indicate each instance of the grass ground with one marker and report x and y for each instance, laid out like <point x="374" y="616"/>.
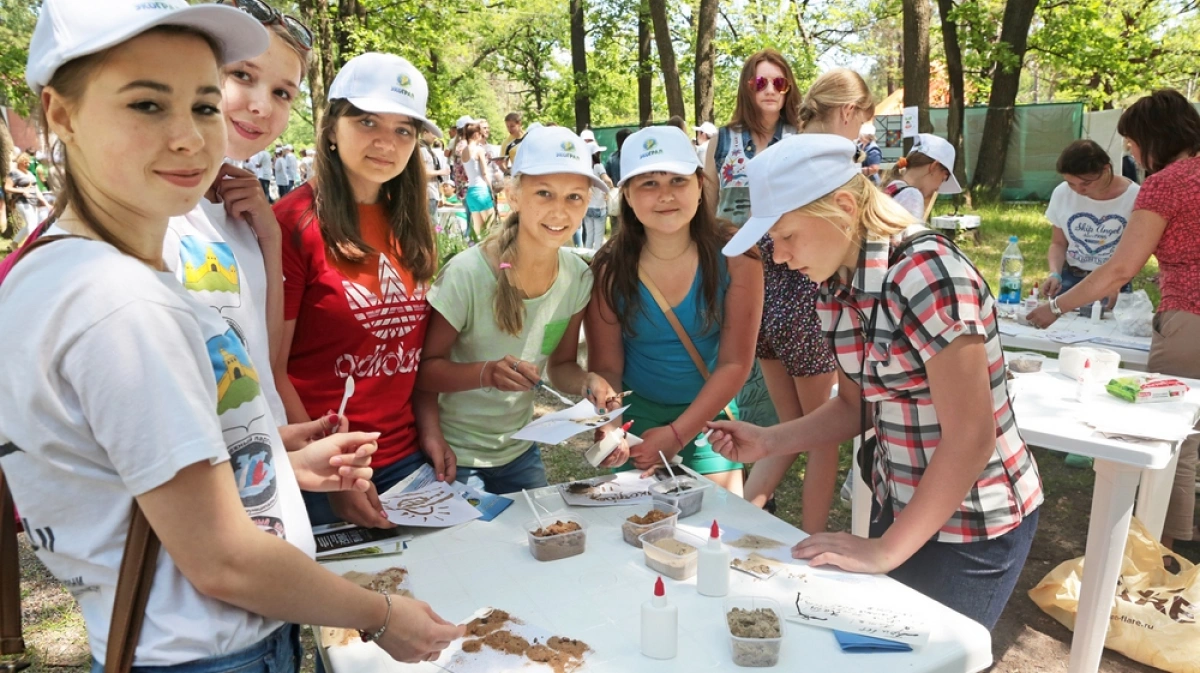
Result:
<point x="1025" y="641"/>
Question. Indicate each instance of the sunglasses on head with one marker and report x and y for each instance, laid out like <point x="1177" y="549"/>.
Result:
<point x="780" y="83"/>
<point x="268" y="15"/>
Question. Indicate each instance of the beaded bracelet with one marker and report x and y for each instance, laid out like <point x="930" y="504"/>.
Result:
<point x="371" y="637"/>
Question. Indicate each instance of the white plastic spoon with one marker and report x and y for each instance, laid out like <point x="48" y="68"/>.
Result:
<point x="346" y="396"/>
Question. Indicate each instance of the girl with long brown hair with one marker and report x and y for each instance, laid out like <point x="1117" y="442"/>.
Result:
<point x="358" y="256"/>
<point x="510" y="309"/>
<point x="665" y="262"/>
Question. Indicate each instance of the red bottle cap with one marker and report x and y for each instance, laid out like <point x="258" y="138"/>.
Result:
<point x="716" y="530"/>
<point x="625" y="428"/>
<point x="659" y="589"/>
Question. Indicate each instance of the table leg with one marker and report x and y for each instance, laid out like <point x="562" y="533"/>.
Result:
<point x="860" y="506"/>
<point x="1155" y="494"/>
<point x="1112" y="505"/>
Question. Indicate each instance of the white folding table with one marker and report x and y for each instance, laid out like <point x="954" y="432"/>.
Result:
<point x="1134" y="351"/>
<point x="1049" y="416"/>
<point x="597" y="596"/>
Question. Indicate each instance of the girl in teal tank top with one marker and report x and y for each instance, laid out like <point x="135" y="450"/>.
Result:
<point x="670" y="246"/>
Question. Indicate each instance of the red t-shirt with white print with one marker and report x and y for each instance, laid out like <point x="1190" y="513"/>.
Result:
<point x="364" y="320"/>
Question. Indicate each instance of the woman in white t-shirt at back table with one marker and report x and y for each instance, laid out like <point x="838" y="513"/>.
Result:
<point x="1089" y="211"/>
<point x="128" y="384"/>
<point x="918" y="178"/>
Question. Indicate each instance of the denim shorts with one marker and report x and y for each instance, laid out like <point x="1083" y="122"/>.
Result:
<point x="526" y="471"/>
<point x="277" y="653"/>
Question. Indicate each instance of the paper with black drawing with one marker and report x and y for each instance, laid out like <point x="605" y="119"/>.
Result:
<point x="436" y="505"/>
<point x="813" y="599"/>
<point x="558" y="427"/>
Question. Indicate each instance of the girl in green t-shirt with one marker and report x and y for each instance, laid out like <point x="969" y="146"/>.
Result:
<point x="509" y="309"/>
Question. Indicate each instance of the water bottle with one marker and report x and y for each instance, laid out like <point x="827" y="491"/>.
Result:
<point x="1011" y="266"/>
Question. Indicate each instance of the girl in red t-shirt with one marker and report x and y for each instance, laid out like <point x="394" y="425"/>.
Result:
<point x="358" y="255"/>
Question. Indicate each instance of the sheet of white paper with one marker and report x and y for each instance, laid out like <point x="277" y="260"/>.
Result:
<point x="1145" y="421"/>
<point x="558" y="427"/>
<point x="1068" y="337"/>
<point x="1127" y="342"/>
<point x="1009" y="328"/>
<point x="623" y="488"/>
<point x="814" y="600"/>
<point x="435" y="506"/>
<point x="488" y="660"/>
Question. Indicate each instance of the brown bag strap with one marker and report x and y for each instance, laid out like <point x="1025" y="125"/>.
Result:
<point x="133" y="586"/>
<point x="678" y="327"/>
<point x="11" y="641"/>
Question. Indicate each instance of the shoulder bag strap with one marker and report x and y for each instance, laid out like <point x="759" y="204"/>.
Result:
<point x="678" y="327"/>
<point x="11" y="641"/>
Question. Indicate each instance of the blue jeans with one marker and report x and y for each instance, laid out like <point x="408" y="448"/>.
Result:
<point x="526" y="471"/>
<point x="1070" y="279"/>
<point x="975" y="579"/>
<point x="321" y="513"/>
<point x="277" y="653"/>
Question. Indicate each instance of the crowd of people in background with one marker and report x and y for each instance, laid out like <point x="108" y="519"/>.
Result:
<point x="732" y="276"/>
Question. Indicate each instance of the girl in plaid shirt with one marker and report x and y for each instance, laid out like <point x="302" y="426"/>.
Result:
<point x="913" y="328"/>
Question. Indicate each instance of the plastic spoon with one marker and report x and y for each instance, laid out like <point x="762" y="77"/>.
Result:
<point x="563" y="398"/>
<point x="668" y="464"/>
<point x="346" y="395"/>
<point x="532" y="508"/>
<point x="702" y="440"/>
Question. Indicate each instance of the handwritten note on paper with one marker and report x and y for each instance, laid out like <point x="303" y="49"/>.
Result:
<point x="856" y="608"/>
<point x="434" y="506"/>
<point x="560" y="426"/>
<point x="623" y="488"/>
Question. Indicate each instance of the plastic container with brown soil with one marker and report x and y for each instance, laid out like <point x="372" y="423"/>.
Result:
<point x="565" y="537"/>
<point x="686" y="493"/>
<point x="755" y="630"/>
<point x="661" y="515"/>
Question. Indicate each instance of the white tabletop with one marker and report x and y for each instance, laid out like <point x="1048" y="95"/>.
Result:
<point x="1049" y="416"/>
<point x="597" y="596"/>
<point x="1014" y="335"/>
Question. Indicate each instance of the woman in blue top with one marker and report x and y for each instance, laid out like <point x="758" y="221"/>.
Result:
<point x="675" y="245"/>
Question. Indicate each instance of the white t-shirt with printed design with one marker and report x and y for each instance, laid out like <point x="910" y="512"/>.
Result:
<point x="1093" y="228"/>
<point x="121" y="390"/>
<point x="219" y="260"/>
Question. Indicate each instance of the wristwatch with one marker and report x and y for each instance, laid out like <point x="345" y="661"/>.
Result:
<point x="1054" y="306"/>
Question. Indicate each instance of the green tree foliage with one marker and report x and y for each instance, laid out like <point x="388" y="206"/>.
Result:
<point x="17" y="18"/>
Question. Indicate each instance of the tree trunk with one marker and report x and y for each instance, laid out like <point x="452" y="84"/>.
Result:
<point x="583" y="100"/>
<point x="666" y="57"/>
<point x="706" y="59"/>
<point x="645" y="68"/>
<point x="916" y="62"/>
<point x="954" y="72"/>
<point x="322" y="69"/>
<point x="348" y="14"/>
<point x="1006" y="80"/>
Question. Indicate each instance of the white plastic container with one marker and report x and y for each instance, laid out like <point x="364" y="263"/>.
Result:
<point x="1025" y="363"/>
<point x="631" y="532"/>
<point x="555" y="547"/>
<point x="660" y="625"/>
<point x="678" y="566"/>
<point x="1105" y="362"/>
<point x="712" y="571"/>
<point x="754" y="652"/>
<point x="689" y="500"/>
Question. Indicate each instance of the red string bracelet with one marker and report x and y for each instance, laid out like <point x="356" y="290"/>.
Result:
<point x="676" y="433"/>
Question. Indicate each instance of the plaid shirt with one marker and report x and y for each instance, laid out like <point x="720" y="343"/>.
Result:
<point x="928" y="298"/>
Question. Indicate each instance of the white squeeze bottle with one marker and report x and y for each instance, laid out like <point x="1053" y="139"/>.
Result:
<point x="660" y="625"/>
<point x="712" y="570"/>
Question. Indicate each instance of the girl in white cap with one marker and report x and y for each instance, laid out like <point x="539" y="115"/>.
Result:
<point x="234" y="222"/>
<point x="506" y="315"/>
<point x="914" y="328"/>
<point x="358" y="255"/>
<point x="686" y="362"/>
<point x="125" y="402"/>
<point x="918" y="178"/>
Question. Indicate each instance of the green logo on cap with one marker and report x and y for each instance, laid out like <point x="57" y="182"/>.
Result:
<point x="404" y="80"/>
<point x="650" y="144"/>
<point x="568" y="146"/>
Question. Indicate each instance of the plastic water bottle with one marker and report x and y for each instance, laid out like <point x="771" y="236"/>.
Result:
<point x="1012" y="263"/>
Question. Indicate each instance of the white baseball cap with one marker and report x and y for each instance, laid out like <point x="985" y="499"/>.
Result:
<point x="707" y="129"/>
<point x="463" y="121"/>
<point x="548" y="150"/>
<point x="68" y="29"/>
<point x="663" y="149"/>
<point x="791" y="174"/>
<point x="867" y="129"/>
<point x="384" y="83"/>
<point x="587" y="136"/>
<point x="593" y="146"/>
<point x="941" y="151"/>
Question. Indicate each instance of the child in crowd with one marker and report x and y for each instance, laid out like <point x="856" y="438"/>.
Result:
<point x="129" y="390"/>
<point x="507" y="312"/>
<point x="956" y="490"/>
<point x="358" y="254"/>
<point x="671" y="319"/>
<point x="918" y="178"/>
